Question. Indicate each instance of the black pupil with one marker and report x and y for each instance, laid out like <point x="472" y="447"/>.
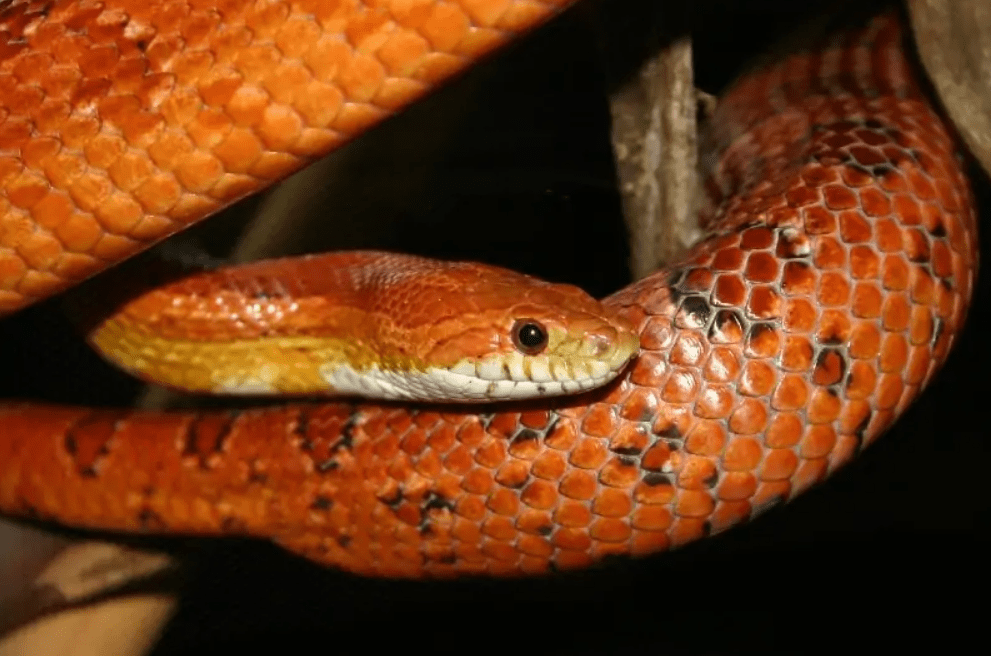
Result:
<point x="531" y="335"/>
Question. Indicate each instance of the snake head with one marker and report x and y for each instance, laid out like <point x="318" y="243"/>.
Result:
<point x="478" y="333"/>
<point x="370" y="324"/>
<point x="547" y="346"/>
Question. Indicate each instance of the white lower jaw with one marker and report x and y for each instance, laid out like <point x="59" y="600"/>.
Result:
<point x="443" y="386"/>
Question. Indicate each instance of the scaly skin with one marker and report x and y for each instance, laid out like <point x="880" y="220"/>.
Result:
<point x="125" y="121"/>
<point x="836" y="278"/>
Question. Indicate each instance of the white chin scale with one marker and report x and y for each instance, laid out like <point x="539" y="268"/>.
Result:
<point x="457" y="385"/>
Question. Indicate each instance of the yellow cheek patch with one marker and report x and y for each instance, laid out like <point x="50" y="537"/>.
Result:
<point x="278" y="365"/>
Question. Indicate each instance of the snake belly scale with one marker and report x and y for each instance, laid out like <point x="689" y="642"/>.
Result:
<point x="839" y="261"/>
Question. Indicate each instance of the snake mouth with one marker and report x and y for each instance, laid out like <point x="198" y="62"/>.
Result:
<point x="497" y="377"/>
<point x="452" y="387"/>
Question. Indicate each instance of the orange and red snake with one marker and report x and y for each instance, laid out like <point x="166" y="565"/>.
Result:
<point x="835" y="275"/>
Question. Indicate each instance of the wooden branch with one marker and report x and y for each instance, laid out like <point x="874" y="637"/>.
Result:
<point x="954" y="41"/>
<point x="655" y="142"/>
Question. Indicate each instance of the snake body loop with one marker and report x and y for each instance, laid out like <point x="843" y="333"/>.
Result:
<point x="840" y="260"/>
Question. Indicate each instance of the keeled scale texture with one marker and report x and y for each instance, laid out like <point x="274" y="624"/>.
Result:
<point x="837" y="276"/>
<point x="123" y="121"/>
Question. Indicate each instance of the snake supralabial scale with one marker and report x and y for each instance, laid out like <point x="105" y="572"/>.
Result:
<point x="836" y="275"/>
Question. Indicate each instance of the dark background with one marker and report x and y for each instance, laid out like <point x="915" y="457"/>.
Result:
<point x="511" y="165"/>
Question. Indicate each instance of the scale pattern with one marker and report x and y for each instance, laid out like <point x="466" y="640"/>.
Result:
<point x="124" y="121"/>
<point x="839" y="265"/>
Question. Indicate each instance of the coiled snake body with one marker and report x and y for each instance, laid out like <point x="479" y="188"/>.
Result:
<point x="840" y="260"/>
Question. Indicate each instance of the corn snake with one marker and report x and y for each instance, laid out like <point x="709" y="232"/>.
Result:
<point x="674" y="422"/>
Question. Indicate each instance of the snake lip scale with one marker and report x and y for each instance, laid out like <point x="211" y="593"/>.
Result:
<point x="834" y="277"/>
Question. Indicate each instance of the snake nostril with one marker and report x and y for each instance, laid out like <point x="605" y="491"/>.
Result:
<point x="600" y="344"/>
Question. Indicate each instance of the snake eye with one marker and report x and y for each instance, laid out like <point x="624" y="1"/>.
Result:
<point x="529" y="336"/>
